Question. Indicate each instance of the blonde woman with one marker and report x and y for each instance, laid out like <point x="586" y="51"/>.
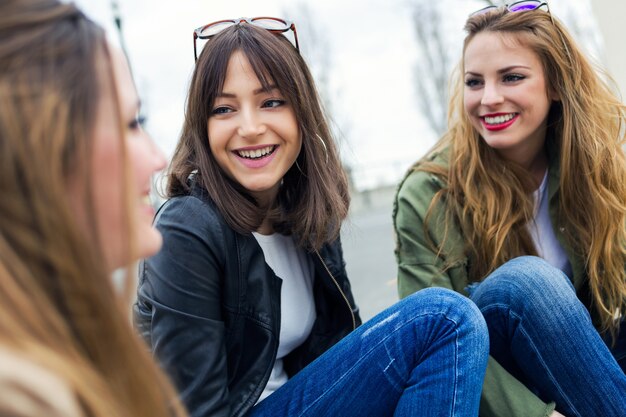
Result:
<point x="74" y="177"/>
<point x="522" y="206"/>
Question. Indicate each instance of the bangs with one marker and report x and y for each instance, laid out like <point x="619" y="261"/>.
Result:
<point x="264" y="51"/>
<point x="269" y="67"/>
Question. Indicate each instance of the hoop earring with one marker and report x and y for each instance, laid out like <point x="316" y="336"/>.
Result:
<point x="300" y="169"/>
<point x="323" y="145"/>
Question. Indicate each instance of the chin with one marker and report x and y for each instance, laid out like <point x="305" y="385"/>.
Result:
<point x="149" y="242"/>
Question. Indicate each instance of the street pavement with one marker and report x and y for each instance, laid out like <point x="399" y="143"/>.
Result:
<point x="368" y="243"/>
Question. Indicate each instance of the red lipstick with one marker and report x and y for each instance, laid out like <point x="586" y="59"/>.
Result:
<point x="498" y="126"/>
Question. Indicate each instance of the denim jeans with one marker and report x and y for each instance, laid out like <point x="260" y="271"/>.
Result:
<point x="542" y="334"/>
<point x="424" y="356"/>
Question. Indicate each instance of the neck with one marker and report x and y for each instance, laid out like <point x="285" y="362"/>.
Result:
<point x="533" y="158"/>
<point x="265" y="228"/>
<point x="538" y="168"/>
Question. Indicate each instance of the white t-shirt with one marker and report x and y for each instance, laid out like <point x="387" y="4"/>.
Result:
<point x="297" y="306"/>
<point x="542" y="232"/>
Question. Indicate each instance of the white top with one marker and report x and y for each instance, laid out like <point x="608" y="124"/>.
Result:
<point x="297" y="307"/>
<point x="542" y="232"/>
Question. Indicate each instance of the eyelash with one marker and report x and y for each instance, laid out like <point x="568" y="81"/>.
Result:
<point x="472" y="82"/>
<point x="278" y="102"/>
<point x="271" y="103"/>
<point x="513" y="77"/>
<point x="220" y="110"/>
<point x="507" y="78"/>
<point x="138" y="122"/>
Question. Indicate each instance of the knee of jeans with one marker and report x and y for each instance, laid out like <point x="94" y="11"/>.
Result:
<point x="449" y="305"/>
<point x="525" y="280"/>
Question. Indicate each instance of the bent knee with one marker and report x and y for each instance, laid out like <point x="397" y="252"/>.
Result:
<point x="449" y="305"/>
<point x="524" y="279"/>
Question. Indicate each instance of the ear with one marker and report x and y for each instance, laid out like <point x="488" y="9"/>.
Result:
<point x="553" y="95"/>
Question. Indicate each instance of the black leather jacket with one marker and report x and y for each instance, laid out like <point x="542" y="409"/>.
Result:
<point x="209" y="307"/>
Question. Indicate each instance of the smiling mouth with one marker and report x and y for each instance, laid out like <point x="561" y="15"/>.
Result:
<point x="256" y="153"/>
<point x="499" y="119"/>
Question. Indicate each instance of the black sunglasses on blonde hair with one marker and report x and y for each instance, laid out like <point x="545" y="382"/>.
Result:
<point x="273" y="24"/>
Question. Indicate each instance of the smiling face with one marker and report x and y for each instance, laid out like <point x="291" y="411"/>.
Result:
<point x="253" y="132"/>
<point x="107" y="172"/>
<point x="506" y="96"/>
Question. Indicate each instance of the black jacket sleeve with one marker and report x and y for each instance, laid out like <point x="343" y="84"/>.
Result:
<point x="178" y="309"/>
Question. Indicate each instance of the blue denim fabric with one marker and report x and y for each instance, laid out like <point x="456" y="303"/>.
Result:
<point x="424" y="356"/>
<point x="541" y="333"/>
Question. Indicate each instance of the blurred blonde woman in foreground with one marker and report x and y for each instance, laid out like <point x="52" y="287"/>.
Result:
<point x="75" y="170"/>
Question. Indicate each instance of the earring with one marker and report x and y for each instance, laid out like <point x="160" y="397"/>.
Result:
<point x="323" y="145"/>
<point x="300" y="169"/>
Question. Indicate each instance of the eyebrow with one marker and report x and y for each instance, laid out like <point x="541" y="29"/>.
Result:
<point x="255" y="92"/>
<point x="501" y="71"/>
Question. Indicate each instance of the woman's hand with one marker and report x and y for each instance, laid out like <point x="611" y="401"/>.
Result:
<point x="556" y="414"/>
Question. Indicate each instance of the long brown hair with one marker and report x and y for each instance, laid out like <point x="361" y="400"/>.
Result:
<point x="58" y="307"/>
<point x="489" y="198"/>
<point x="313" y="199"/>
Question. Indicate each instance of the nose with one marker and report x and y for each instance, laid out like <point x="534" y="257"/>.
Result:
<point x="491" y="95"/>
<point x="251" y="124"/>
<point x="159" y="161"/>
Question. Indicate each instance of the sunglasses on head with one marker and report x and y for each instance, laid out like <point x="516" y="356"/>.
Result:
<point x="522" y="6"/>
<point x="518" y="6"/>
<point x="273" y="24"/>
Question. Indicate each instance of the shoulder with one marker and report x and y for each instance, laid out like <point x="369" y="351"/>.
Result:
<point x="417" y="182"/>
<point x="332" y="253"/>
<point x="194" y="214"/>
<point x="27" y="389"/>
<point x="193" y="207"/>
<point x="418" y="187"/>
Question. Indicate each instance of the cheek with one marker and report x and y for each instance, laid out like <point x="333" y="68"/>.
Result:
<point x="106" y="172"/>
<point x="142" y="161"/>
<point x="214" y="137"/>
<point x="470" y="101"/>
<point x="290" y="128"/>
<point x="218" y="138"/>
<point x="107" y="191"/>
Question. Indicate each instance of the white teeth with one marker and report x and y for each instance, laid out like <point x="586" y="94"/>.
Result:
<point x="256" y="153"/>
<point x="499" y="119"/>
<point x="146" y="200"/>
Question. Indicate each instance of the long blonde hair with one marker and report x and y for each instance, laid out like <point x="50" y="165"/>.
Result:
<point x="58" y="306"/>
<point x="489" y="199"/>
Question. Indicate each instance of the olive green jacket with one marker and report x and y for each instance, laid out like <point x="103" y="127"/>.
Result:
<point x="420" y="266"/>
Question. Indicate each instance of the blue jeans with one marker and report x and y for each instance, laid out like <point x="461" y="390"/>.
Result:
<point x="542" y="334"/>
<point x="424" y="356"/>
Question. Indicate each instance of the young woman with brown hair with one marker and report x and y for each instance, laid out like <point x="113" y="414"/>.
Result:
<point x="248" y="305"/>
<point x="522" y="206"/>
<point x="75" y="170"/>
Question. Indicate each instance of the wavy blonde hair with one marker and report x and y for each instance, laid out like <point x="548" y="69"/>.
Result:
<point x="58" y="307"/>
<point x="489" y="199"/>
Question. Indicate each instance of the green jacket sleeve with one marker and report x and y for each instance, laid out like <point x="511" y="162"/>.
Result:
<point x="421" y="266"/>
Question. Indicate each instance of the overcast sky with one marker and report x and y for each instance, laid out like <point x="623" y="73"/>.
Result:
<point x="371" y="54"/>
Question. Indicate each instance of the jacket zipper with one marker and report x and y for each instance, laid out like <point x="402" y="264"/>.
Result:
<point x="343" y="295"/>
